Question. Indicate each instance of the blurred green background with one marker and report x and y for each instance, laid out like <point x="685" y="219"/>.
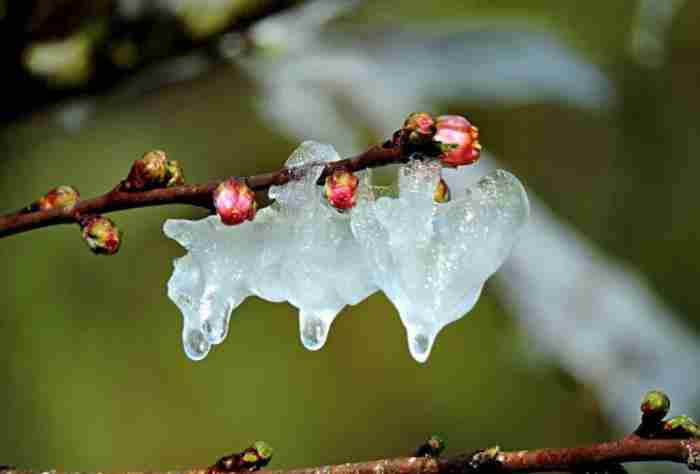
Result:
<point x="94" y="376"/>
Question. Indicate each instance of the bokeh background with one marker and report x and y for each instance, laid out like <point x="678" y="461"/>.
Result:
<point x="593" y="105"/>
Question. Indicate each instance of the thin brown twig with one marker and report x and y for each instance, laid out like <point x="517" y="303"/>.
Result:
<point x="193" y="194"/>
<point x="629" y="449"/>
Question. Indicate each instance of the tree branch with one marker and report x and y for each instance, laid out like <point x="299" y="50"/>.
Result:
<point x="196" y="194"/>
<point x="582" y="459"/>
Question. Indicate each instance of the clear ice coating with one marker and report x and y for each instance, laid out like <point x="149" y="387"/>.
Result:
<point x="430" y="259"/>
<point x="298" y="250"/>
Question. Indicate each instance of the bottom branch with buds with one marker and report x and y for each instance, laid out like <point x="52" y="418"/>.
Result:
<point x="597" y="458"/>
<point x="674" y="440"/>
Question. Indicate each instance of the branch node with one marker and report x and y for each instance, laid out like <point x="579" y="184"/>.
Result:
<point x="693" y="455"/>
<point x="487" y="460"/>
<point x="253" y="458"/>
<point x="432" y="447"/>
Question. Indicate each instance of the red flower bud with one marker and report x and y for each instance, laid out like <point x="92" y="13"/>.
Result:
<point x="341" y="189"/>
<point x="442" y="192"/>
<point x="463" y="137"/>
<point x="63" y="196"/>
<point x="420" y="127"/>
<point x="101" y="234"/>
<point x="234" y="202"/>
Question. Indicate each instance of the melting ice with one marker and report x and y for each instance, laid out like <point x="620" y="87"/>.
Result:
<point x="430" y="259"/>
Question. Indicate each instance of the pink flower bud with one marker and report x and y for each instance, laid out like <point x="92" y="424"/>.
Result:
<point x="234" y="202"/>
<point x="442" y="192"/>
<point x="341" y="189"/>
<point x="65" y="197"/>
<point x="420" y="127"/>
<point x="458" y="132"/>
<point x="101" y="234"/>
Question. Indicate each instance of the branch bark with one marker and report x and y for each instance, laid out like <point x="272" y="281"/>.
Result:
<point x="632" y="448"/>
<point x="194" y="194"/>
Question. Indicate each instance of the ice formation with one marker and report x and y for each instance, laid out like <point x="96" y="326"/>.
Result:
<point x="430" y="259"/>
<point x="297" y="250"/>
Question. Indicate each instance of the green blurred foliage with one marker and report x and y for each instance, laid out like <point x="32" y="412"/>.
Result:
<point x="94" y="376"/>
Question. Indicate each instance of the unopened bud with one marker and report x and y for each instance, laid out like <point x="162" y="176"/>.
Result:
<point x="234" y="202"/>
<point x="341" y="189"/>
<point x="152" y="171"/>
<point x="655" y="405"/>
<point x="63" y="197"/>
<point x="101" y="234"/>
<point x="442" y="192"/>
<point x="251" y="459"/>
<point x="420" y="127"/>
<point x="682" y="426"/>
<point x="263" y="449"/>
<point x="692" y="428"/>
<point x="257" y="456"/>
<point x="174" y="174"/>
<point x="433" y="447"/>
<point x="460" y="140"/>
<point x="154" y="166"/>
<point x="148" y="172"/>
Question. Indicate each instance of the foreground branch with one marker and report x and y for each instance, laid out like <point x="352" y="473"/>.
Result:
<point x="582" y="459"/>
<point x="197" y="194"/>
<point x="676" y="439"/>
<point x="155" y="180"/>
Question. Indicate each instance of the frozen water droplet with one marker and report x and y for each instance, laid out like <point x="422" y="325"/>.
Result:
<point x="195" y="343"/>
<point x="313" y="330"/>
<point x="215" y="329"/>
<point x="420" y="343"/>
<point x="215" y="312"/>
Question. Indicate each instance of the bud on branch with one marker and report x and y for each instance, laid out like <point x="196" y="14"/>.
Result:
<point x="340" y="189"/>
<point x="101" y="235"/>
<point x="234" y="202"/>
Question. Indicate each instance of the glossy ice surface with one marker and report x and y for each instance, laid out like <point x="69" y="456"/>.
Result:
<point x="430" y="259"/>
